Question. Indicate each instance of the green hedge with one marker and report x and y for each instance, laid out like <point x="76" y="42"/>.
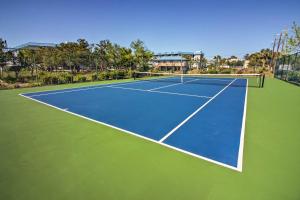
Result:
<point x="48" y="78"/>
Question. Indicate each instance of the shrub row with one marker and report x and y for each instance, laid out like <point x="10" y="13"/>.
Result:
<point x="48" y="78"/>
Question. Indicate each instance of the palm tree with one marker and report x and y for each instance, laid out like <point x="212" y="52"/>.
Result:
<point x="217" y="60"/>
<point x="202" y="59"/>
<point x="265" y="56"/>
<point x="246" y="56"/>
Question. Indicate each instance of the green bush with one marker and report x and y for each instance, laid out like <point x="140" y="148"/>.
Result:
<point x="82" y="79"/>
<point x="37" y="84"/>
<point x="48" y="78"/>
<point x="54" y="79"/>
<point x="45" y="78"/>
<point x="122" y="74"/>
<point x="212" y="71"/>
<point x="104" y="76"/>
<point x="10" y="79"/>
<point x="154" y="70"/>
<point x="261" y="69"/>
<point x="225" y="71"/>
<point x="94" y="77"/>
<point x="65" y="78"/>
<point x="113" y="75"/>
<point x="240" y="71"/>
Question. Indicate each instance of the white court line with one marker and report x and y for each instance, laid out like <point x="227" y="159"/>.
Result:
<point x="137" y="135"/>
<point x="82" y="89"/>
<point x="216" y="79"/>
<point x="172" y="85"/>
<point x="161" y="92"/>
<point x="181" y="94"/>
<point x="228" y="75"/>
<point x="242" y="137"/>
<point x="194" y="113"/>
<point x="78" y="87"/>
<point x="67" y="91"/>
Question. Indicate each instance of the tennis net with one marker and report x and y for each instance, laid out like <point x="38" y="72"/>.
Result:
<point x="237" y="80"/>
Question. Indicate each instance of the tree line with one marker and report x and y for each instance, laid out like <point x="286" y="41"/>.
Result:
<point x="107" y="60"/>
<point x="76" y="56"/>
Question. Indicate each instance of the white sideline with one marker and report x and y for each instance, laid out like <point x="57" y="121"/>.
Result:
<point x="82" y="88"/>
<point x="161" y="92"/>
<point x="67" y="91"/>
<point x="194" y="113"/>
<point x="137" y="135"/>
<point x="242" y="137"/>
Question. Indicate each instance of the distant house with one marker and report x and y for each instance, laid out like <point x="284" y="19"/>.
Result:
<point x="233" y="62"/>
<point x="28" y="45"/>
<point x="233" y="59"/>
<point x="198" y="60"/>
<point x="176" y="61"/>
<point x="33" y="45"/>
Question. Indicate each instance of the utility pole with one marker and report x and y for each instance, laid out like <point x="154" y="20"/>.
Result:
<point x="279" y="41"/>
<point x="277" y="51"/>
<point x="273" y="55"/>
<point x="284" y="40"/>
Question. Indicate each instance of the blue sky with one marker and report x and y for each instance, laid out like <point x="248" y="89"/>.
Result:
<point x="216" y="27"/>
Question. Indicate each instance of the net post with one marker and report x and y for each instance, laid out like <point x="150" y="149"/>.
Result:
<point x="134" y="75"/>
<point x="263" y="80"/>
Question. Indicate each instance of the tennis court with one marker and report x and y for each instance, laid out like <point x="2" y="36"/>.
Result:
<point x="202" y="116"/>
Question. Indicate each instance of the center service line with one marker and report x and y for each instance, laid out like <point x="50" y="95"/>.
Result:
<point x="194" y="113"/>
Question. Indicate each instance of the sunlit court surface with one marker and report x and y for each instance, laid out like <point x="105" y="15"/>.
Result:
<point x="202" y="117"/>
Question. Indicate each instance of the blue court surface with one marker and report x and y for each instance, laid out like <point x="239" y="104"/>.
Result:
<point x="202" y="118"/>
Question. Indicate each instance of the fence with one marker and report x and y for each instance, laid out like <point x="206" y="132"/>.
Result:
<point x="287" y="68"/>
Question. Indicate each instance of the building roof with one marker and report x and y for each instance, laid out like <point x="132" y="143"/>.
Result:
<point x="34" y="45"/>
<point x="170" y="58"/>
<point x="197" y="52"/>
<point x="174" y="53"/>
